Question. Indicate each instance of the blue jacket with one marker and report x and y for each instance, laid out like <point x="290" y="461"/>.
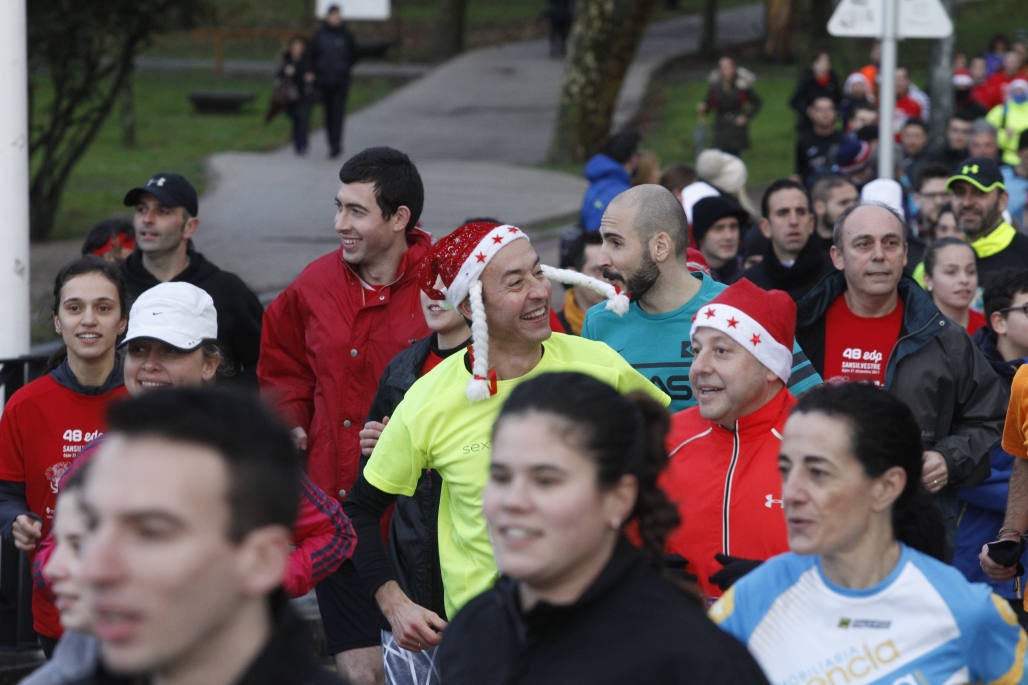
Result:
<point x="606" y="179"/>
<point x="982" y="506"/>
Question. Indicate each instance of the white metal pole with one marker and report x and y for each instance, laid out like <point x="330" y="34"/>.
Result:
<point x="887" y="89"/>
<point x="14" y="182"/>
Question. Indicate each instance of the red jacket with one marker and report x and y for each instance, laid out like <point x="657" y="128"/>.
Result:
<point x="727" y="487"/>
<point x="325" y="342"/>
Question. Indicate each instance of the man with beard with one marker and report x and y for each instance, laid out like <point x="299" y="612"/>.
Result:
<point x="832" y="195"/>
<point x="644" y="240"/>
<point x="979" y="199"/>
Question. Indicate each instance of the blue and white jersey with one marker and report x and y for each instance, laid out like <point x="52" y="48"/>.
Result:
<point x="923" y="624"/>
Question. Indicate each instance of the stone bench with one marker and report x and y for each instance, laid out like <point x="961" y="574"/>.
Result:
<point x="219" y="101"/>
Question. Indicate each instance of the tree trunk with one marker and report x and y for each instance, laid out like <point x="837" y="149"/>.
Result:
<point x="708" y="38"/>
<point x="127" y="112"/>
<point x="603" y="42"/>
<point x="450" y="28"/>
<point x="779" y="20"/>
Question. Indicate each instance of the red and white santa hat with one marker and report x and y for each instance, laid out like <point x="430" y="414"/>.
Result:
<point x="761" y="321"/>
<point x="459" y="260"/>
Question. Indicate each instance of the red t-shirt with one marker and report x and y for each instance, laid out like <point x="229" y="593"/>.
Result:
<point x="43" y="428"/>
<point x="857" y="348"/>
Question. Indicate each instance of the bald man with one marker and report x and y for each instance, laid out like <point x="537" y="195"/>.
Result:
<point x="645" y="236"/>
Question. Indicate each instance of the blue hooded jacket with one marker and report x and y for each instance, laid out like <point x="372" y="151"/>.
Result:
<point x="606" y="179"/>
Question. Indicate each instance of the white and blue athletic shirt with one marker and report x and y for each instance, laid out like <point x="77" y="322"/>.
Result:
<point x="658" y="345"/>
<point x="923" y="624"/>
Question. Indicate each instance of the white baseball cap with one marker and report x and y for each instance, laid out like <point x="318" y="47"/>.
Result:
<point x="176" y="313"/>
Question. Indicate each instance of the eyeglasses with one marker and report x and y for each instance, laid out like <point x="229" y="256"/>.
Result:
<point x="1023" y="308"/>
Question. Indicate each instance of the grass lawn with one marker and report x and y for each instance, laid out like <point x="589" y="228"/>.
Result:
<point x="171" y="136"/>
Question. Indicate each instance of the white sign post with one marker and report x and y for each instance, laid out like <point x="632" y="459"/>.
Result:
<point x="889" y="21"/>
<point x="14" y="183"/>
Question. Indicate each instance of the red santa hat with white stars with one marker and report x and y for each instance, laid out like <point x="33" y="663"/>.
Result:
<point x="459" y="260"/>
<point x="761" y="321"/>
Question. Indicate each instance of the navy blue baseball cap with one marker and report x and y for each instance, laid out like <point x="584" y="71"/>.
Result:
<point x="171" y="190"/>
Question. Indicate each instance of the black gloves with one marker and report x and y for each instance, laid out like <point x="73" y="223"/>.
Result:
<point x="1007" y="553"/>
<point x="732" y="569"/>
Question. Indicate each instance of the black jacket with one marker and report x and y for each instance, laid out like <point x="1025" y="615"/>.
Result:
<point x="934" y="367"/>
<point x="333" y="53"/>
<point x="629" y="626"/>
<point x="1014" y="257"/>
<point x="811" y="266"/>
<point x="413" y="529"/>
<point x="287" y="658"/>
<point x="239" y="310"/>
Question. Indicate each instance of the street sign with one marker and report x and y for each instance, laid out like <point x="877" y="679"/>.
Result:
<point x="865" y="19"/>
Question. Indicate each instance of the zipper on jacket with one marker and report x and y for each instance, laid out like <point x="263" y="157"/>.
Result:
<point x="726" y="503"/>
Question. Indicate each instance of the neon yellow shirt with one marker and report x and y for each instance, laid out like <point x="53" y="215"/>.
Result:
<point x="436" y="427"/>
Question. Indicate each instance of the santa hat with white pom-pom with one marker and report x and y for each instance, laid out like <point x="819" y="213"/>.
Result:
<point x="460" y="258"/>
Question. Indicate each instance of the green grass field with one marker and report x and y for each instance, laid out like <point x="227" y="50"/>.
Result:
<point x="171" y="136"/>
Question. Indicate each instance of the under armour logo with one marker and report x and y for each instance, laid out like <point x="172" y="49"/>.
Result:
<point x="159" y="182"/>
<point x="770" y="501"/>
<point x="969" y="169"/>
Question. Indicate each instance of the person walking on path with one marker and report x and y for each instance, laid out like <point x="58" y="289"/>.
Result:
<point x="333" y="53"/>
<point x="733" y="102"/>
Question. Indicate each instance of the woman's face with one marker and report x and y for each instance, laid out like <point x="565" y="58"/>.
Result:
<point x="151" y="364"/>
<point x="954" y="280"/>
<point x="552" y="527"/>
<point x="63" y="569"/>
<point x="947" y="227"/>
<point x="89" y="316"/>
<point x="825" y="491"/>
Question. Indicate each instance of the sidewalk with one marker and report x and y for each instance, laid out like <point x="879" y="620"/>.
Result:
<point x="471" y="125"/>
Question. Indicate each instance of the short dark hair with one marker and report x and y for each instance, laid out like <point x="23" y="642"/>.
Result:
<point x="395" y="178"/>
<point x="677" y="176"/>
<point x="264" y="469"/>
<point x="914" y="121"/>
<point x="825" y="184"/>
<point x="929" y="171"/>
<point x="623" y="434"/>
<point x="777" y="185"/>
<point x="884" y="433"/>
<point x="622" y="145"/>
<point x="576" y="252"/>
<point x="931" y="255"/>
<point x="87" y="265"/>
<point x="1004" y="288"/>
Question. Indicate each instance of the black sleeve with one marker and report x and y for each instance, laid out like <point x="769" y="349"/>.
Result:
<point x="365" y="505"/>
<point x="12" y="503"/>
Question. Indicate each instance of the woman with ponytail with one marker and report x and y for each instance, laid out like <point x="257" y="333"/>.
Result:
<point x="863" y="596"/>
<point x="573" y="461"/>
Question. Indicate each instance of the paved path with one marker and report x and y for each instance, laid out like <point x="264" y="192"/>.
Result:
<point x="471" y="125"/>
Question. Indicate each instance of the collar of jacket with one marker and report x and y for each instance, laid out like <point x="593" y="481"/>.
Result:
<point x="809" y="262"/>
<point x="764" y="419"/>
<point x="985" y="340"/>
<point x="418" y="244"/>
<point x="922" y="320"/>
<point x="543" y="615"/>
<point x="996" y="241"/>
